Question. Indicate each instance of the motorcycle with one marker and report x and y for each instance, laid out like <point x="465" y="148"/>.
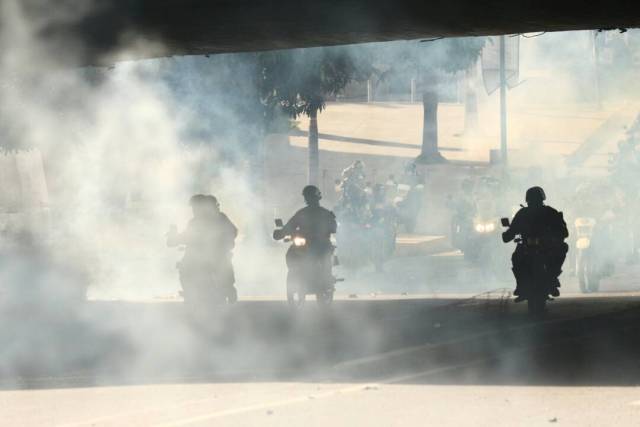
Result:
<point x="480" y="238"/>
<point x="477" y="237"/>
<point x="461" y="222"/>
<point x="539" y="281"/>
<point x="383" y="233"/>
<point x="205" y="285"/>
<point x="309" y="271"/>
<point x="201" y="287"/>
<point x="596" y="252"/>
<point x="355" y="241"/>
<point x="588" y="278"/>
<point x="408" y="202"/>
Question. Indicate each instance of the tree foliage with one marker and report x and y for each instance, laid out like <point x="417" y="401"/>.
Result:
<point x="299" y="81"/>
<point x="428" y="58"/>
<point x="460" y="53"/>
<point x="430" y="63"/>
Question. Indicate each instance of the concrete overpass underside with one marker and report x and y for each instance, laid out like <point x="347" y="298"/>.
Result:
<point x="181" y="27"/>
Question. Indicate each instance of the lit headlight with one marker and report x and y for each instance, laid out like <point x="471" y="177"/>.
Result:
<point x="299" y="241"/>
<point x="485" y="228"/>
<point x="583" y="243"/>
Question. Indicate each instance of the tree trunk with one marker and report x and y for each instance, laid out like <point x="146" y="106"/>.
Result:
<point x="429" y="152"/>
<point x="314" y="155"/>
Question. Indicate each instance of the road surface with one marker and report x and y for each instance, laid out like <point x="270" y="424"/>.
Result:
<point x="406" y="362"/>
<point x="378" y="359"/>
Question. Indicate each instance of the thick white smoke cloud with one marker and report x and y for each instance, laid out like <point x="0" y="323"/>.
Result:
<point x="121" y="154"/>
<point x="124" y="149"/>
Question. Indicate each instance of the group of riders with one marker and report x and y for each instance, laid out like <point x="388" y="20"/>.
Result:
<point x="206" y="271"/>
<point x="370" y="214"/>
<point x="367" y="217"/>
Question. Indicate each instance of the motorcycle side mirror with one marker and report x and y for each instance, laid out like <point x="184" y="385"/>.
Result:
<point x="279" y="223"/>
<point x="505" y="222"/>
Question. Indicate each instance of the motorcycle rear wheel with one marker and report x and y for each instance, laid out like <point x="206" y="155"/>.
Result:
<point x="295" y="299"/>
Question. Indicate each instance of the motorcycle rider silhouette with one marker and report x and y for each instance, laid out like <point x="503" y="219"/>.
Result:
<point x="310" y="258"/>
<point x="384" y="223"/>
<point x="544" y="228"/>
<point x="353" y="203"/>
<point x="353" y="211"/>
<point x="410" y="204"/>
<point x="463" y="208"/>
<point x="206" y="271"/>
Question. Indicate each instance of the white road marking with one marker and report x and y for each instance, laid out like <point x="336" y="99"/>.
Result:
<point x="342" y="391"/>
<point x="268" y="405"/>
<point x="312" y="397"/>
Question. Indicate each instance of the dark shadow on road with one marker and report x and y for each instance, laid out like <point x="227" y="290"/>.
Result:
<point x="419" y="341"/>
<point x="369" y="141"/>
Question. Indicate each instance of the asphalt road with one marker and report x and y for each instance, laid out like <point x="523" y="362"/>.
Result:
<point x="379" y="360"/>
<point x="376" y="362"/>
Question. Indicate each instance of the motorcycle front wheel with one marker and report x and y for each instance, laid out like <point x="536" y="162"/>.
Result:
<point x="587" y="277"/>
<point x="294" y="296"/>
<point x="324" y="298"/>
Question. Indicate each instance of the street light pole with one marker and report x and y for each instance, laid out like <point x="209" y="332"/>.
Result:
<point x="503" y="103"/>
<point x="596" y="69"/>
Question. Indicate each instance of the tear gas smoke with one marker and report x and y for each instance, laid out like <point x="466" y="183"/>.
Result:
<point x="125" y="147"/>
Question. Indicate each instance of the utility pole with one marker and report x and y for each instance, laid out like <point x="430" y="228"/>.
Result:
<point x="596" y="69"/>
<point x="503" y="103"/>
<point x="413" y="90"/>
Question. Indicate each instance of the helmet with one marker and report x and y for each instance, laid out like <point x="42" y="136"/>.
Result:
<point x="197" y="199"/>
<point x="311" y="193"/>
<point x="535" y="195"/>
<point x="212" y="201"/>
<point x="410" y="167"/>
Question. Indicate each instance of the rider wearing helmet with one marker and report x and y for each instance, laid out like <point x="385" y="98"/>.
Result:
<point x="209" y="240"/>
<point x="313" y="222"/>
<point x="316" y="225"/>
<point x="542" y="224"/>
<point x="353" y="197"/>
<point x="355" y="171"/>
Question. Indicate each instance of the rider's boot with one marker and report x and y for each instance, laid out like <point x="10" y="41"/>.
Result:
<point x="555" y="289"/>
<point x="518" y="293"/>
<point x="232" y="296"/>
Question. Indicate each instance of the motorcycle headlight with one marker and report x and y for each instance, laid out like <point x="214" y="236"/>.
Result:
<point x="480" y="228"/>
<point x="299" y="241"/>
<point x="583" y="243"/>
